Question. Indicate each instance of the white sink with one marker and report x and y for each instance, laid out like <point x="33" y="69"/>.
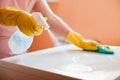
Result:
<point x="72" y="61"/>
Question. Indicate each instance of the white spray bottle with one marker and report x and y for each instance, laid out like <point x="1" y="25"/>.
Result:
<point x="19" y="43"/>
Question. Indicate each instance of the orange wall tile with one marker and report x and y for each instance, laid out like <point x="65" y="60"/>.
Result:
<point x="93" y="19"/>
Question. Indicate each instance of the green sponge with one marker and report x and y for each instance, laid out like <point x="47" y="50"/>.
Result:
<point x="103" y="49"/>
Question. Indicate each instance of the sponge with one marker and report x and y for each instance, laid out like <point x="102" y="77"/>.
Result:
<point x="105" y="49"/>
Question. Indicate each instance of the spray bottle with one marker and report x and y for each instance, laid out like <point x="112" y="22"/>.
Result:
<point x="19" y="42"/>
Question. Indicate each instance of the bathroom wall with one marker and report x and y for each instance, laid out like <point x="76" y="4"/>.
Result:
<point x="94" y="19"/>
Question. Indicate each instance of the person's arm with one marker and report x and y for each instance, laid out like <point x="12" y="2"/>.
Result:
<point x="58" y="26"/>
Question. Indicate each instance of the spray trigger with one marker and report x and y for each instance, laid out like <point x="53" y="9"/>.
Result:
<point x="40" y="19"/>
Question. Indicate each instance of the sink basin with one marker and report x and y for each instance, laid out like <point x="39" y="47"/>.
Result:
<point x="74" y="62"/>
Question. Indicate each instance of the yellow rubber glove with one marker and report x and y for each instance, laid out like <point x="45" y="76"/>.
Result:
<point x="25" y="22"/>
<point x="79" y="41"/>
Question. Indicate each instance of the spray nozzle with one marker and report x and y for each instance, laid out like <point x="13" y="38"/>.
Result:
<point x="40" y="19"/>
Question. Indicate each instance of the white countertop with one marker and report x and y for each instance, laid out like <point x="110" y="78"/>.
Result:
<point x="72" y="61"/>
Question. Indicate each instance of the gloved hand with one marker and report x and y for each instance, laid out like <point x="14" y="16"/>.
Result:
<point x="25" y="22"/>
<point x="79" y="41"/>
